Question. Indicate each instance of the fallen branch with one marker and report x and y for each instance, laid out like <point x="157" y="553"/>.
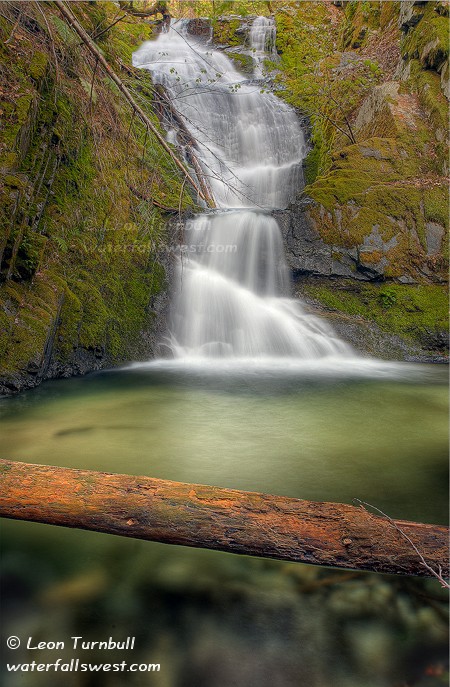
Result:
<point x="67" y="13"/>
<point x="157" y="8"/>
<point x="329" y="534"/>
<point x="148" y="199"/>
<point x="435" y="573"/>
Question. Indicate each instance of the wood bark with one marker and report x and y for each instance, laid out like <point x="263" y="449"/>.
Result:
<point x="329" y="534"/>
<point x="66" y="12"/>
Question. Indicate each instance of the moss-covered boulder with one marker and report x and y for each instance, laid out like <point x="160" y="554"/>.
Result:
<point x="378" y="130"/>
<point x="229" y="31"/>
<point x="386" y="321"/>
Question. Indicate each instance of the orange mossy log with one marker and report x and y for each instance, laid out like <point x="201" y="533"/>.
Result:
<point x="329" y="534"/>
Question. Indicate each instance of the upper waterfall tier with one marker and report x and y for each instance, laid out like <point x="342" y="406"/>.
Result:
<point x="262" y="42"/>
<point x="250" y="144"/>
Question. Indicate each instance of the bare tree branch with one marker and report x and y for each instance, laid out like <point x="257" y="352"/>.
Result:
<point x="437" y="574"/>
<point x="67" y="13"/>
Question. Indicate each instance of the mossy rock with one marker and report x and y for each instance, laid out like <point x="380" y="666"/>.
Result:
<point x="428" y="41"/>
<point x="419" y="314"/>
<point x="226" y="31"/>
<point x="391" y="223"/>
<point x="77" y="160"/>
<point x="428" y="85"/>
<point x="242" y="62"/>
<point x="28" y="315"/>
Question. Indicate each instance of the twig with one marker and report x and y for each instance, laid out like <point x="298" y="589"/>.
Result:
<point x="438" y="574"/>
<point x="97" y="35"/>
<point x="67" y="13"/>
<point x="19" y="16"/>
<point x="52" y="43"/>
<point x="351" y="135"/>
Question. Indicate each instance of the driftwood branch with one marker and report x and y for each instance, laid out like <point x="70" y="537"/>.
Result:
<point x="329" y="534"/>
<point x="87" y="40"/>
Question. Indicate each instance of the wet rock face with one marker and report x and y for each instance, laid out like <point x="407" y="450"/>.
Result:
<point x="434" y="237"/>
<point x="199" y="27"/>
<point x="308" y="254"/>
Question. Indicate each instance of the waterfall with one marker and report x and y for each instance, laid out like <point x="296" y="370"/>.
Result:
<point x="232" y="291"/>
<point x="262" y="42"/>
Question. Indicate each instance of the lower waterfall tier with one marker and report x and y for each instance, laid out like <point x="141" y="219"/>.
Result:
<point x="232" y="291"/>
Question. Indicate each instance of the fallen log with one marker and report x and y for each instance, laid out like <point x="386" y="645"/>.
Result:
<point x="329" y="534"/>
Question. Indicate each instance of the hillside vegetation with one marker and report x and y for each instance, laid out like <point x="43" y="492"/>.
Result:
<point x="83" y="192"/>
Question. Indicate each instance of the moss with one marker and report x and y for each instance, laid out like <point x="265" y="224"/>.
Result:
<point x="435" y="201"/>
<point x="38" y="65"/>
<point x="370" y="257"/>
<point x="341" y="187"/>
<point x="311" y="165"/>
<point x="23" y="105"/>
<point x="89" y="249"/>
<point x="410" y="311"/>
<point x="389" y="12"/>
<point x="69" y="324"/>
<point x="242" y="62"/>
<point x="225" y="32"/>
<point x="28" y="316"/>
<point x="360" y="17"/>
<point x="14" y="181"/>
<point x="95" y="314"/>
<point x="428" y="84"/>
<point x="428" y="41"/>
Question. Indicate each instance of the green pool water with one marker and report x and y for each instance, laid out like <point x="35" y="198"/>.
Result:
<point x="214" y="619"/>
<point x="382" y="442"/>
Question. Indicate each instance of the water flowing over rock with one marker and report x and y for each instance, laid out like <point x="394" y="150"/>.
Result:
<point x="232" y="292"/>
<point x="262" y="42"/>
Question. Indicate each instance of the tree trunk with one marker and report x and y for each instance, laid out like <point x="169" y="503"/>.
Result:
<point x="329" y="534"/>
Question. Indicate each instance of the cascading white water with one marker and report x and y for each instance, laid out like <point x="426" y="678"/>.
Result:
<point x="232" y="296"/>
<point x="262" y="42"/>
